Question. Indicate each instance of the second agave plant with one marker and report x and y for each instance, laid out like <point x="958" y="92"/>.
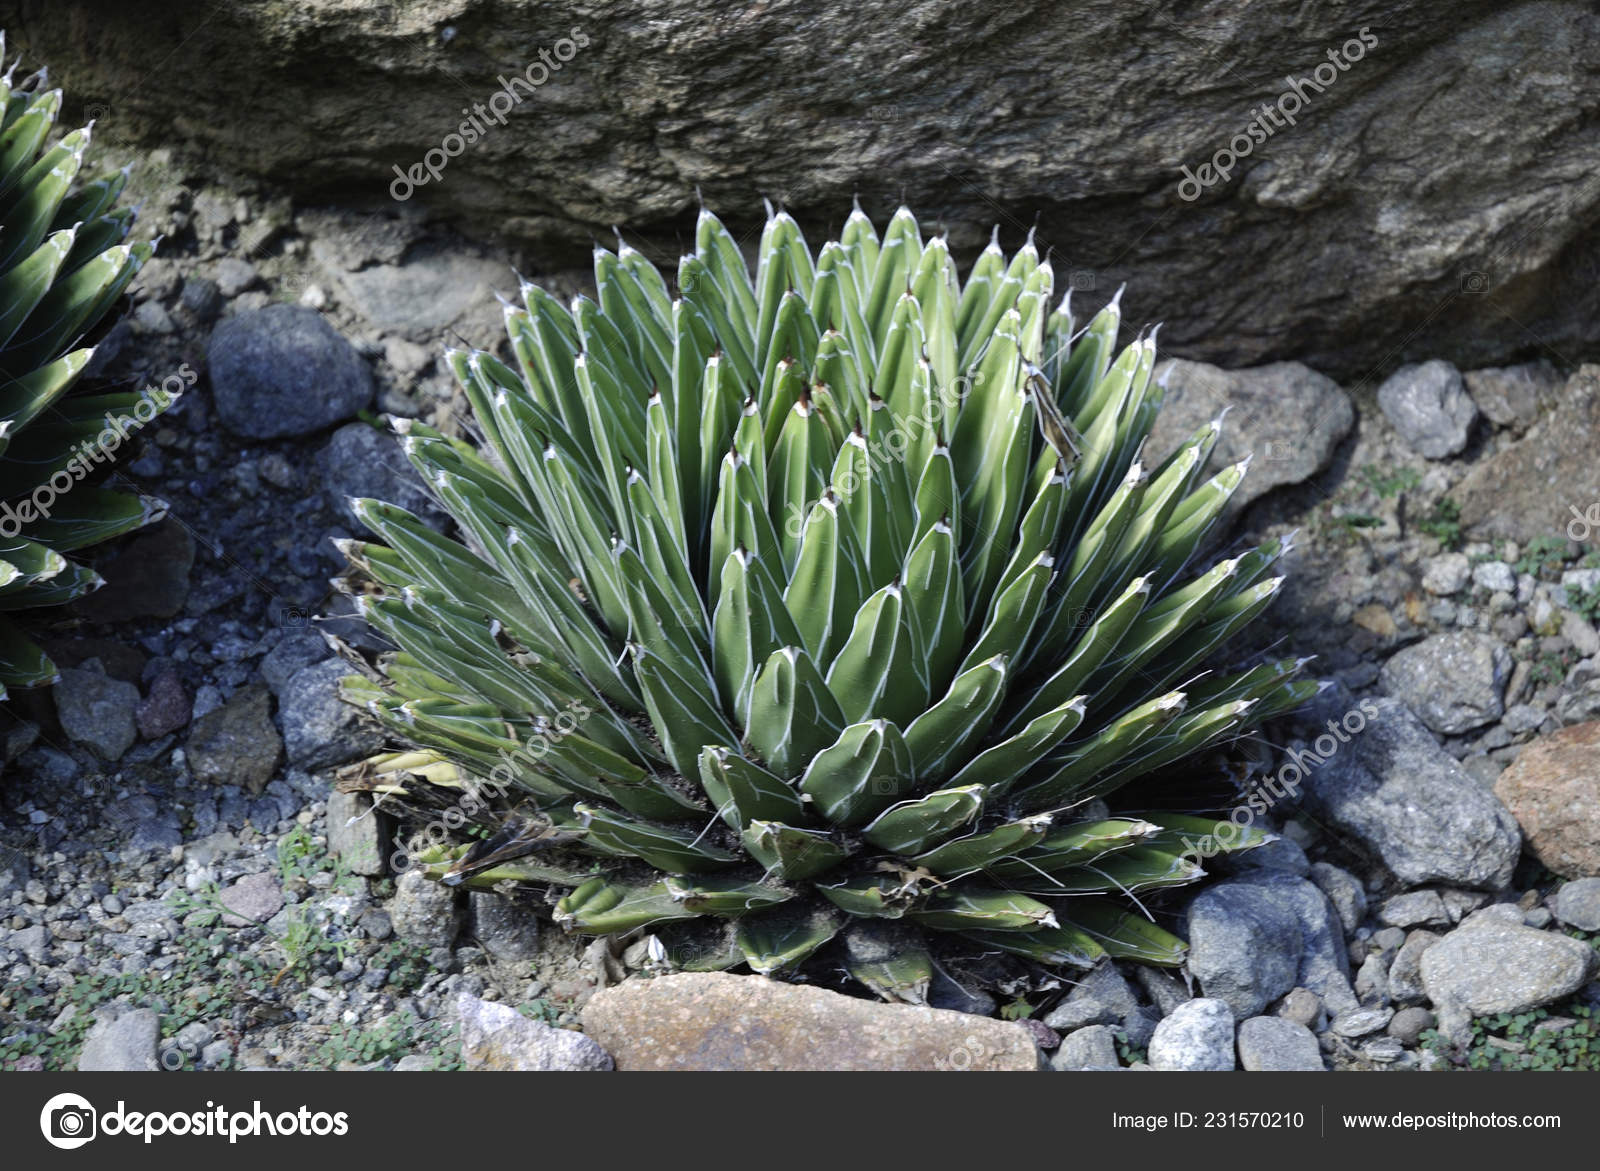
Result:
<point x="828" y="600"/>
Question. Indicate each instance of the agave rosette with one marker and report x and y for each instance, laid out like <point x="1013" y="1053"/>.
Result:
<point x="829" y="598"/>
<point x="63" y="265"/>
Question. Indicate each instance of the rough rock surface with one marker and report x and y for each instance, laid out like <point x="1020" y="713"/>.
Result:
<point x="1254" y="939"/>
<point x="1488" y="965"/>
<point x="1287" y="417"/>
<point x="1553" y="789"/>
<point x="1273" y="1043"/>
<point x="1454" y="682"/>
<point x="1197" y="1037"/>
<point x="121" y="1044"/>
<point x="284" y="370"/>
<point x="1429" y="405"/>
<point x="97" y="710"/>
<point x="498" y="1037"/>
<point x="361" y="461"/>
<point x="1328" y="265"/>
<point x="1534" y="485"/>
<point x="715" y="1021"/>
<point x="320" y="729"/>
<point x="236" y="744"/>
<point x="1513" y="396"/>
<point x="1394" y="790"/>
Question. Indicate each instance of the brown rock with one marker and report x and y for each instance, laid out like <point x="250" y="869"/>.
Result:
<point x="166" y="708"/>
<point x="255" y="898"/>
<point x="1376" y="619"/>
<point x="1513" y="396"/>
<point x="716" y="1021"/>
<point x="237" y="744"/>
<point x="1553" y="790"/>
<point x="1531" y="487"/>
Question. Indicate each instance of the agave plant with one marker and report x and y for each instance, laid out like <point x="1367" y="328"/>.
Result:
<point x="831" y="598"/>
<point x="62" y="266"/>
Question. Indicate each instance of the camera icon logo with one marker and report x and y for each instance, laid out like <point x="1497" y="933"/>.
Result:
<point x="68" y="1121"/>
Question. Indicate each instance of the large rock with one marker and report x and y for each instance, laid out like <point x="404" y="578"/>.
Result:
<point x="717" y="1021"/>
<point x="1287" y="417"/>
<point x="284" y="370"/>
<point x="1455" y="682"/>
<point x="498" y="1037"/>
<point x="1335" y="251"/>
<point x="1578" y="904"/>
<point x="1490" y="965"/>
<point x="507" y="930"/>
<point x="1405" y="799"/>
<point x="1553" y="789"/>
<point x="1253" y="939"/>
<point x="1094" y="1047"/>
<point x="1101" y="997"/>
<point x="1429" y="405"/>
<point x="1531" y="487"/>
<point x="355" y="835"/>
<point x="255" y="898"/>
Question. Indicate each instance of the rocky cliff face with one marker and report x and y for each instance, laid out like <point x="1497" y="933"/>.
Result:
<point x="1367" y="181"/>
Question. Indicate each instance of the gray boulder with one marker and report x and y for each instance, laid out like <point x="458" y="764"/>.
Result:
<point x="1287" y="417"/>
<point x="1429" y="405"/>
<point x="1400" y="795"/>
<point x="1489" y="965"/>
<point x="283" y="370"/>
<point x="1252" y="939"/>
<point x="359" y="460"/>
<point x="1455" y="682"/>
<point x="97" y="710"/>
<point x="320" y="730"/>
<point x="498" y="1037"/>
<point x="424" y="912"/>
<point x="1578" y="904"/>
<point x="1093" y="1047"/>
<point x="1513" y="396"/>
<point x="122" y="1044"/>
